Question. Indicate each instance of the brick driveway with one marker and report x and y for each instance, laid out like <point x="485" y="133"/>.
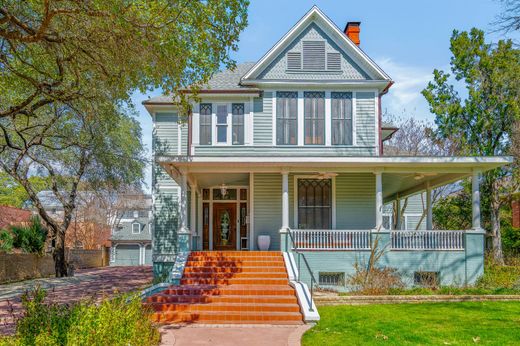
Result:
<point x="86" y="284"/>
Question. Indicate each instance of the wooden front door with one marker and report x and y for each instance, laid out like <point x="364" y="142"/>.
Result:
<point x="224" y="226"/>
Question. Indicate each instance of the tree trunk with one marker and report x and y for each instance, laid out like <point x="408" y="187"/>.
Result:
<point x="60" y="262"/>
<point x="498" y="255"/>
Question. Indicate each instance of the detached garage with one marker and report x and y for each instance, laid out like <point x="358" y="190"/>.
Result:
<point x="148" y="255"/>
<point x="127" y="255"/>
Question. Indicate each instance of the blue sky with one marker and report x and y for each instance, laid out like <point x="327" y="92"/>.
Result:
<point x="407" y="38"/>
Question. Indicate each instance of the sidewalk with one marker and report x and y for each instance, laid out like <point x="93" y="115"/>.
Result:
<point x="232" y="335"/>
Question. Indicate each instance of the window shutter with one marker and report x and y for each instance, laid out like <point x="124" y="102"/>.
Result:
<point x="314" y="55"/>
<point x="334" y="61"/>
<point x="294" y="61"/>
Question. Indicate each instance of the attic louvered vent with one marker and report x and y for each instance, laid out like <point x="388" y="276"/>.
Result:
<point x="333" y="61"/>
<point x="314" y="55"/>
<point x="294" y="61"/>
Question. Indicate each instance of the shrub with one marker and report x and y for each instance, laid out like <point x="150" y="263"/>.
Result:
<point x="371" y="279"/>
<point x="6" y="240"/>
<point x="374" y="281"/>
<point x="30" y="239"/>
<point x="119" y="321"/>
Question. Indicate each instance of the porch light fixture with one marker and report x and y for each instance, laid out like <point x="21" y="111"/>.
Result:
<point x="223" y="190"/>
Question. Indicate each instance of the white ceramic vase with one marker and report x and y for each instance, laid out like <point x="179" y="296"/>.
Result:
<point x="263" y="242"/>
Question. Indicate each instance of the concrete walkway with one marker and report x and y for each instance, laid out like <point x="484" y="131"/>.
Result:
<point x="86" y="284"/>
<point x="232" y="335"/>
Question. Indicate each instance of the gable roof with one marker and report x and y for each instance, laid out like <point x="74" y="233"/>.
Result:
<point x="226" y="81"/>
<point x="317" y="16"/>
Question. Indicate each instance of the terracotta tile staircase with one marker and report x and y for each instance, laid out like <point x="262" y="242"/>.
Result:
<point x="230" y="287"/>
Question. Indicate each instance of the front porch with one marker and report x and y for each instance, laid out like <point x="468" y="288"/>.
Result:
<point x="333" y="208"/>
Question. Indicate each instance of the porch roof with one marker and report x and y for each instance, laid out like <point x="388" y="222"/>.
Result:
<point x="402" y="176"/>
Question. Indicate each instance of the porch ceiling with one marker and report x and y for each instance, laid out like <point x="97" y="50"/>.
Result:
<point x="212" y="179"/>
<point x="406" y="184"/>
<point x="402" y="176"/>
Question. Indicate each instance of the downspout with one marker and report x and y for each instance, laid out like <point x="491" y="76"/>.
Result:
<point x="380" y="116"/>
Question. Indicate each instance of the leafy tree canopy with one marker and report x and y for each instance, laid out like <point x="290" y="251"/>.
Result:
<point x="13" y="194"/>
<point x="482" y="122"/>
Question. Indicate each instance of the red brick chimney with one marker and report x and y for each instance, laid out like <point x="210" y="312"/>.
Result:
<point x="352" y="30"/>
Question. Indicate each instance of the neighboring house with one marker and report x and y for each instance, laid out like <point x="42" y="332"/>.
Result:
<point x="11" y="216"/>
<point x="290" y="147"/>
<point x="413" y="214"/>
<point x="132" y="235"/>
<point x="88" y="228"/>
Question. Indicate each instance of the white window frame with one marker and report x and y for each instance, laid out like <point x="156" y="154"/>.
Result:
<point x="138" y="224"/>
<point x="295" y="198"/>
<point x="248" y="122"/>
<point x="214" y="125"/>
<point x="328" y="117"/>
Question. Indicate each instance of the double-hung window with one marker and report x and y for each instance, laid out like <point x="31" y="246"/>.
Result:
<point x="205" y="124"/>
<point x="237" y="111"/>
<point x="286" y="118"/>
<point x="314" y="110"/>
<point x="341" y="113"/>
<point x="222" y="125"/>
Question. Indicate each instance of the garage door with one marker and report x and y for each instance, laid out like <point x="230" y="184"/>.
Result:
<point x="127" y="255"/>
<point x="148" y="255"/>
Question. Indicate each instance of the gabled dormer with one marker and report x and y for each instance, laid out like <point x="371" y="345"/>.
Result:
<point x="315" y="51"/>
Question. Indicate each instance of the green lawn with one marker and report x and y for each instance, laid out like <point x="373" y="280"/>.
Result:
<point x="471" y="323"/>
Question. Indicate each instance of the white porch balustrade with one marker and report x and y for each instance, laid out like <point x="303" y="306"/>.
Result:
<point x="427" y="240"/>
<point x="330" y="240"/>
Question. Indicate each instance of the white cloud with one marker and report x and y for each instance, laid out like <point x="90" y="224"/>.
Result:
<point x="405" y="94"/>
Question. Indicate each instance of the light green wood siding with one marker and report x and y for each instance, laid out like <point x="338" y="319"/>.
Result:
<point x="184" y="139"/>
<point x="263" y="119"/>
<point x="365" y="118"/>
<point x="165" y="221"/>
<point x="355" y="201"/>
<point x="268" y="207"/>
<point x="331" y="151"/>
<point x="166" y="134"/>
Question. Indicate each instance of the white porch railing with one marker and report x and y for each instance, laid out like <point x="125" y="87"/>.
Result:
<point x="332" y="240"/>
<point x="427" y="240"/>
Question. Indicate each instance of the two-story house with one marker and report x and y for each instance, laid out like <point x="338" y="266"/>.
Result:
<point x="285" y="154"/>
<point x="131" y="239"/>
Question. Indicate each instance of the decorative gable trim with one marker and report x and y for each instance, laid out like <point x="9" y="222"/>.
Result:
<point x="315" y="14"/>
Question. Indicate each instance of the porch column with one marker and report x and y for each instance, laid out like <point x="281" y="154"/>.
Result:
<point x="475" y="187"/>
<point x="193" y="211"/>
<point x="184" y="232"/>
<point x="184" y="203"/>
<point x="379" y="200"/>
<point x="398" y="213"/>
<point x="429" y="207"/>
<point x="285" y="200"/>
